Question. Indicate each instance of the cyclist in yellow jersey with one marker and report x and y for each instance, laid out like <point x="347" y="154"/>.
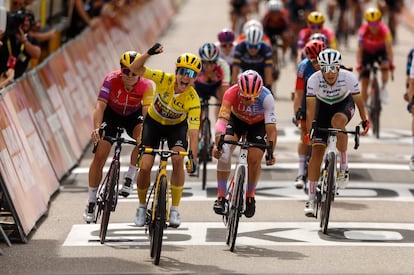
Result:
<point x="174" y="114"/>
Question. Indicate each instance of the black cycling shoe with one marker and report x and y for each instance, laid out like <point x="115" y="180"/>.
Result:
<point x="250" y="207"/>
<point x="220" y="206"/>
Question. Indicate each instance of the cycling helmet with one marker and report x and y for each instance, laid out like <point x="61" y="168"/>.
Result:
<point x="274" y="5"/>
<point x="209" y="52"/>
<point x="316" y="17"/>
<point x="254" y="35"/>
<point x="319" y="36"/>
<point x="226" y="36"/>
<point x="372" y="15"/>
<point x="329" y="57"/>
<point x="127" y="58"/>
<point x="250" y="84"/>
<point x="252" y="23"/>
<point x="313" y="48"/>
<point x="189" y="61"/>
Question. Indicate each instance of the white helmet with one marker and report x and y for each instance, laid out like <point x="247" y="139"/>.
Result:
<point x="329" y="57"/>
<point x="252" y="23"/>
<point x="254" y="35"/>
<point x="274" y="5"/>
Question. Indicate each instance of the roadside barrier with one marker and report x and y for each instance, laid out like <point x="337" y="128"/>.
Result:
<point x="46" y="115"/>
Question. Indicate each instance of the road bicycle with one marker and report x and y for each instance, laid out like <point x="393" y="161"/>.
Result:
<point x="237" y="188"/>
<point x="276" y="56"/>
<point x="206" y="143"/>
<point x="375" y="100"/>
<point x="107" y="195"/>
<point x="327" y="186"/>
<point x="158" y="199"/>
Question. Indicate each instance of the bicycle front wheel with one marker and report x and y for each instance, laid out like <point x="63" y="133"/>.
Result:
<point x="375" y="108"/>
<point x="159" y="220"/>
<point x="108" y="201"/>
<point x="330" y="192"/>
<point x="205" y="150"/>
<point x="235" y="208"/>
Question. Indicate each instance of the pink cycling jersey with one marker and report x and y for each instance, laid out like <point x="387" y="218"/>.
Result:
<point x="121" y="101"/>
<point x="263" y="107"/>
<point x="304" y="34"/>
<point x="374" y="42"/>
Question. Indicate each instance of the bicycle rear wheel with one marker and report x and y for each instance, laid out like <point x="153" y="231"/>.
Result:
<point x="235" y="208"/>
<point x="330" y="192"/>
<point x="375" y="108"/>
<point x="158" y="223"/>
<point x="108" y="199"/>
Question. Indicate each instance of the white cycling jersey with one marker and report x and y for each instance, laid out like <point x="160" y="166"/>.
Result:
<point x="346" y="83"/>
<point x="412" y="69"/>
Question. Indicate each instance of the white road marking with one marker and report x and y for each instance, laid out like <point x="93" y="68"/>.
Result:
<point x="252" y="233"/>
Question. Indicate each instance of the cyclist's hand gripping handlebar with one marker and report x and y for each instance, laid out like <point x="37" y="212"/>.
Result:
<point x="191" y="165"/>
<point x="101" y="131"/>
<point x="270" y="160"/>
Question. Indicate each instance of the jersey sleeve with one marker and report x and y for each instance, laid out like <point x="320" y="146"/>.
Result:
<point x="194" y="111"/>
<point x="269" y="109"/>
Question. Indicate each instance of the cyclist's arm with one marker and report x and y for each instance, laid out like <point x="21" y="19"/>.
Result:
<point x="97" y="119"/>
<point x="411" y="82"/>
<point x="137" y="66"/>
<point x="390" y="53"/>
<point x="193" y="135"/>
<point x="312" y="86"/>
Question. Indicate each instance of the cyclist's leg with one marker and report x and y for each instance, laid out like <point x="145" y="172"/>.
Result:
<point x="344" y="113"/>
<point x="151" y="138"/>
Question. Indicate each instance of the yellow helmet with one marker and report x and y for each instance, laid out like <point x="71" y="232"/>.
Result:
<point x="316" y="17"/>
<point x="189" y="61"/>
<point x="127" y="58"/>
<point x="372" y="15"/>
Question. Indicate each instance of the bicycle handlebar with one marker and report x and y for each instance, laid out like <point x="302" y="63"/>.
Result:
<point x="112" y="139"/>
<point x="334" y="131"/>
<point x="164" y="153"/>
<point x="247" y="144"/>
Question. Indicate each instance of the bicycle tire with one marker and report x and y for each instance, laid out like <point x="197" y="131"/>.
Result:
<point x="108" y="201"/>
<point x="276" y="61"/>
<point x="227" y="216"/>
<point x="330" y="191"/>
<point x="205" y="150"/>
<point x="160" y="215"/>
<point x="375" y="108"/>
<point x="236" y="207"/>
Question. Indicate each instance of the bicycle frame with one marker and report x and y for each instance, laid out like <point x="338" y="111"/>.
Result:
<point x="327" y="186"/>
<point x="375" y="101"/>
<point x="158" y="209"/>
<point x="237" y="196"/>
<point x="107" y="198"/>
<point x="205" y="142"/>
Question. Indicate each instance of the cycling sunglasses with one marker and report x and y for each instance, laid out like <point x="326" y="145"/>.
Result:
<point x="226" y="45"/>
<point x="316" y="26"/>
<point x="256" y="47"/>
<point x="373" y="24"/>
<point x="206" y="62"/>
<point x="332" y="68"/>
<point x="128" y="72"/>
<point x="186" y="71"/>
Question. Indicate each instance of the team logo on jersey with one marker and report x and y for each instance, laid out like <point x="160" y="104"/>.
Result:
<point x="164" y="111"/>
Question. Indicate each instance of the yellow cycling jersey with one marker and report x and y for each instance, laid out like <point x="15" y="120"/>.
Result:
<point x="168" y="108"/>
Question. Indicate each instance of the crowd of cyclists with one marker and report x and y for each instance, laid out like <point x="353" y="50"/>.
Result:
<point x="236" y="69"/>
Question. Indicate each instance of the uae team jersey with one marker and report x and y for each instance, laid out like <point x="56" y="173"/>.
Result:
<point x="122" y="102"/>
<point x="263" y="107"/>
<point x="168" y="108"/>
